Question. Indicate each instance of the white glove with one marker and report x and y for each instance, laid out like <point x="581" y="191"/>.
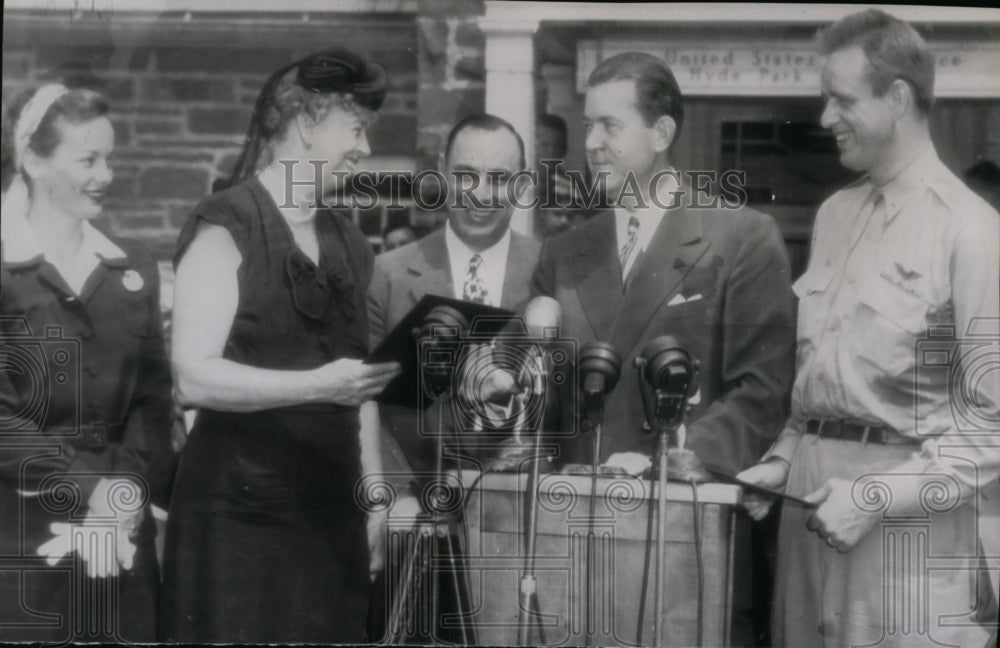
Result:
<point x="103" y="548"/>
<point x="104" y="538"/>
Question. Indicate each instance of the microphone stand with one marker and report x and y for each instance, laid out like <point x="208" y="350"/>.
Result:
<point x="668" y="414"/>
<point x="662" y="444"/>
<point x="600" y="367"/>
<point x="595" y="413"/>
<point x="444" y="525"/>
<point x="528" y="593"/>
<point x="438" y="386"/>
<point x="440" y="530"/>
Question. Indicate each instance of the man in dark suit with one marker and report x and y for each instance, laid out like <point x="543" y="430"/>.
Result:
<point x="660" y="263"/>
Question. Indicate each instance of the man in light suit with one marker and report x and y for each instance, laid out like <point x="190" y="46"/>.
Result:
<point x="661" y="263"/>
<point x="475" y="257"/>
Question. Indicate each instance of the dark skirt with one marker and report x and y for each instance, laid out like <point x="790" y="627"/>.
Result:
<point x="62" y="604"/>
<point x="265" y="542"/>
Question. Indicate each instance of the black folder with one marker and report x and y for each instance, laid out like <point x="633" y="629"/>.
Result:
<point x="402" y="343"/>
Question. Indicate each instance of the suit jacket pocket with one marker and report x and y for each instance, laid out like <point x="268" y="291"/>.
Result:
<point x="694" y="308"/>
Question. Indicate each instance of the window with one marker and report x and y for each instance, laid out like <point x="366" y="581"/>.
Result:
<point x="787" y="163"/>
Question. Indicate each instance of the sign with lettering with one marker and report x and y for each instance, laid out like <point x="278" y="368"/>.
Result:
<point x="786" y="69"/>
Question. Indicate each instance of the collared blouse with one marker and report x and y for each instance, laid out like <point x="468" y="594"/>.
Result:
<point x="85" y="386"/>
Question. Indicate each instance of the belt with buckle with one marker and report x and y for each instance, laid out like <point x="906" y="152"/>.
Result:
<point x="847" y="431"/>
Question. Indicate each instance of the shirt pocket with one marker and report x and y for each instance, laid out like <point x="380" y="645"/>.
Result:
<point x="811" y="290"/>
<point x="891" y="316"/>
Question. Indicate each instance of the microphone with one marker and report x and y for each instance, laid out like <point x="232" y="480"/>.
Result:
<point x="600" y="369"/>
<point x="442" y="329"/>
<point x="672" y="375"/>
<point x="542" y="316"/>
<point x="443" y="322"/>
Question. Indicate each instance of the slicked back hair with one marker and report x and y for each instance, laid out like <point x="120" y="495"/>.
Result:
<point x="656" y="90"/>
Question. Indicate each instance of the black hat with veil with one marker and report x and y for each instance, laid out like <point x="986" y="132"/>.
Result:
<point x="337" y="70"/>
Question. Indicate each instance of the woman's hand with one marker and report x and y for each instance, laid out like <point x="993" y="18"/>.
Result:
<point x="351" y="382"/>
<point x="203" y="318"/>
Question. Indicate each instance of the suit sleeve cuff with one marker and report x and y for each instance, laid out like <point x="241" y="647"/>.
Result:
<point x="784" y="446"/>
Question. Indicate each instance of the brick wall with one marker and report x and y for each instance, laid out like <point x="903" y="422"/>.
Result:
<point x="182" y="88"/>
<point x="452" y="71"/>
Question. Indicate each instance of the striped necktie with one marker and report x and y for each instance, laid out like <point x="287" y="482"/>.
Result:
<point x="627" y="252"/>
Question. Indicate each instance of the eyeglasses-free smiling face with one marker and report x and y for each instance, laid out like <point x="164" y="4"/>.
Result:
<point x="76" y="176"/>
<point x="340" y="139"/>
<point x="487" y="160"/>
<point x="862" y="123"/>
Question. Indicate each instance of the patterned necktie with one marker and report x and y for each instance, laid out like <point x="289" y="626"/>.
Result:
<point x="627" y="253"/>
<point x="474" y="290"/>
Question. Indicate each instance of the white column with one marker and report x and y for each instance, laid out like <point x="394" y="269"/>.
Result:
<point x="510" y="67"/>
<point x="510" y="84"/>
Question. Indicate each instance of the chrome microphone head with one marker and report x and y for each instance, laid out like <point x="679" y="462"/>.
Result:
<point x="542" y="317"/>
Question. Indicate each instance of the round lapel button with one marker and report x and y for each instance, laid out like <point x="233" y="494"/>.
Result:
<point x="132" y="281"/>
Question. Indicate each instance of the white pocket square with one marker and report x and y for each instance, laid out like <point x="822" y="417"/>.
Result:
<point x="678" y="299"/>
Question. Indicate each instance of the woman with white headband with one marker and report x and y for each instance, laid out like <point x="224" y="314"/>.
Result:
<point x="85" y="390"/>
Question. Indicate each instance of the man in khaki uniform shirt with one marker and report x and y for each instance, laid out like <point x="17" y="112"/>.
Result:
<point x="893" y="430"/>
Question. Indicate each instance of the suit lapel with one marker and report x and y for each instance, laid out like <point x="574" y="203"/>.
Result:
<point x="597" y="275"/>
<point x="430" y="268"/>
<point x="674" y="249"/>
<point x="517" y="279"/>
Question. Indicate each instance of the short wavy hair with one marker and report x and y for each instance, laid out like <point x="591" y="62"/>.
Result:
<point x="894" y="49"/>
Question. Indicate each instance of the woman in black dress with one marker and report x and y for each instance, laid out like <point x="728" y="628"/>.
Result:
<point x="85" y="405"/>
<point x="265" y="541"/>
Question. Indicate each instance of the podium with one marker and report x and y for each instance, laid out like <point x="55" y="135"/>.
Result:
<point x="625" y="533"/>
